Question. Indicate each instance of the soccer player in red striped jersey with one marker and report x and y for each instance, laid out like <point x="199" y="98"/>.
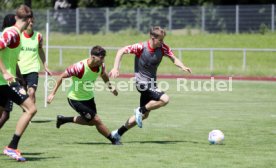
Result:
<point x="148" y="56"/>
<point x="81" y="96"/>
<point x="10" y="46"/>
<point x="9" y="20"/>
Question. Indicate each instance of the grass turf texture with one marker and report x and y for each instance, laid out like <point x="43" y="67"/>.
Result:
<point x="173" y="137"/>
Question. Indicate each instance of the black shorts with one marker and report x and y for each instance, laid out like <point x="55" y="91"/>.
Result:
<point x="86" y="108"/>
<point x="9" y="106"/>
<point x="31" y="79"/>
<point x="15" y="92"/>
<point x="148" y="93"/>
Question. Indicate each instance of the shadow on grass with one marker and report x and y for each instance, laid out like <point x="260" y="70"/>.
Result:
<point x="41" y="121"/>
<point x="162" y="142"/>
<point x="30" y="159"/>
<point x="141" y="142"/>
<point x="92" y="143"/>
<point x="28" y="156"/>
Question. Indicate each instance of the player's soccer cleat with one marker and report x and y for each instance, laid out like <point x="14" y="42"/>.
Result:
<point x="117" y="137"/>
<point x="138" y="117"/>
<point x="14" y="154"/>
<point x="59" y="122"/>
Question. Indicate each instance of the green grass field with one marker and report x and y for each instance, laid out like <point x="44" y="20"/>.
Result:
<point x="173" y="137"/>
<point x="225" y="63"/>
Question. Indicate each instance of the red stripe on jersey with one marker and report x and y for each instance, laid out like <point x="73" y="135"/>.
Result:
<point x="167" y="50"/>
<point x="136" y="49"/>
<point x="76" y="69"/>
<point x="10" y="39"/>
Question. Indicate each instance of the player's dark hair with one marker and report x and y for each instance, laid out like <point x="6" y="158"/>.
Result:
<point x="9" y="20"/>
<point x="98" y="51"/>
<point x="157" y="31"/>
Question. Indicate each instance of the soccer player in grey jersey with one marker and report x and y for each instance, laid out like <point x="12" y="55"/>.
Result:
<point x="148" y="57"/>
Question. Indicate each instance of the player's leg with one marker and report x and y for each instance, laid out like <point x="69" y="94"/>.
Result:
<point x="2" y="109"/>
<point x="78" y="107"/>
<point x="3" y="99"/>
<point x="17" y="94"/>
<point x="131" y="121"/>
<point x="88" y="116"/>
<point x="31" y="81"/>
<point x="155" y="104"/>
<point x="29" y="111"/>
<point x="157" y="100"/>
<point x="6" y="113"/>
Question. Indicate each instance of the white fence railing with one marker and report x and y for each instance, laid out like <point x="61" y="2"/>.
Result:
<point x="178" y="52"/>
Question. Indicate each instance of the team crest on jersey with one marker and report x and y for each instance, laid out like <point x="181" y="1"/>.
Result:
<point x="22" y="91"/>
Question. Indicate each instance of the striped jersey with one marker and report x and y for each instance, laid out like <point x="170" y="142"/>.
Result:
<point x="147" y="60"/>
<point x="83" y="78"/>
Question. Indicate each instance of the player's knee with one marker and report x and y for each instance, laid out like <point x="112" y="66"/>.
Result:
<point x="96" y="120"/>
<point x="31" y="93"/>
<point x="165" y="99"/>
<point x="31" y="110"/>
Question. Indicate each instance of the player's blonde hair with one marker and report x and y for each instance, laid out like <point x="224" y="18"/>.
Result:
<point x="157" y="31"/>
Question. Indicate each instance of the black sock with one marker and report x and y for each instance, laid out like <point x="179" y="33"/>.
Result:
<point x="66" y="119"/>
<point x="143" y="109"/>
<point x="14" y="142"/>
<point x="110" y="138"/>
<point x="122" y="130"/>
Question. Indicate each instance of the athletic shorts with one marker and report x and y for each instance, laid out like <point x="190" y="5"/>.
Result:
<point x="15" y="92"/>
<point x="148" y="93"/>
<point x="9" y="106"/>
<point x="86" y="108"/>
<point x="31" y="79"/>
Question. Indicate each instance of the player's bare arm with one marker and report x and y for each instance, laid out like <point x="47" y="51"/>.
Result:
<point x="179" y="64"/>
<point x="115" y="71"/>
<point x="42" y="57"/>
<point x="105" y="78"/>
<point x="58" y="83"/>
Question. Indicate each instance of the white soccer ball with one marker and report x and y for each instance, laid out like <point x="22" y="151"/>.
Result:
<point x="216" y="137"/>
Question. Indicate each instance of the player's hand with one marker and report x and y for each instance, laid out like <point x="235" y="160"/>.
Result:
<point x="50" y="98"/>
<point x="114" y="73"/>
<point x="187" y="69"/>
<point x="8" y="77"/>
<point x="48" y="71"/>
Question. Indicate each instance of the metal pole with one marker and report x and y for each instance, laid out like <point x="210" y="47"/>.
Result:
<point x="244" y="60"/>
<point x="107" y="20"/>
<point x="138" y="19"/>
<point x="170" y="18"/>
<point x="46" y="60"/>
<point x="77" y="21"/>
<point x="179" y="54"/>
<point x="202" y="19"/>
<point x="211" y="60"/>
<point x="60" y="57"/>
<point x="237" y="19"/>
<point x="272" y="17"/>
<point x="48" y="17"/>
